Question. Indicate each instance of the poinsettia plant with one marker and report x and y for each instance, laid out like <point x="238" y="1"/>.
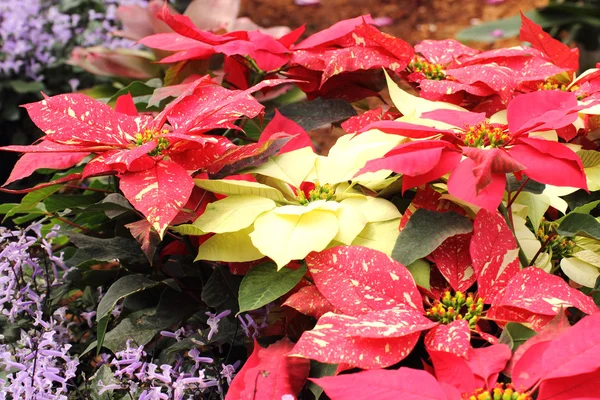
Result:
<point x="191" y="241"/>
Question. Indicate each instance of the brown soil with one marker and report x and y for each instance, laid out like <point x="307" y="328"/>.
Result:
<point x="414" y="20"/>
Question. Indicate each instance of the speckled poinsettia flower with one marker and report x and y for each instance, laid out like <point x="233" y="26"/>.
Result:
<point x="153" y="159"/>
<point x="345" y="60"/>
<point x="188" y="42"/>
<point x="562" y="366"/>
<point x="450" y="71"/>
<point x="478" y="152"/>
<point x="298" y="202"/>
<point x="488" y="257"/>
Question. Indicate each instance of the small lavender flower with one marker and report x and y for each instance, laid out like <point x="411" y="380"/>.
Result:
<point x="29" y="269"/>
<point x="36" y="35"/>
<point x="213" y="322"/>
<point x="228" y="371"/>
<point x="37" y="367"/>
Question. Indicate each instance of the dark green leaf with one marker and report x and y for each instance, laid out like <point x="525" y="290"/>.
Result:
<point x="27" y="87"/>
<point x="584" y="209"/>
<point x="59" y="202"/>
<point x="126" y="250"/>
<point x="221" y="290"/>
<point x="576" y="224"/>
<point x="319" y="370"/>
<point x="580" y="198"/>
<point x="316" y="113"/>
<point x="513" y="185"/>
<point x="32" y="199"/>
<point x="264" y="284"/>
<point x="425" y="231"/>
<point x="141" y="326"/>
<point x="122" y="288"/>
<point x="515" y="334"/>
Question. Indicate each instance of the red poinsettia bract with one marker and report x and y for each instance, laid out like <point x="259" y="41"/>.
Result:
<point x="153" y="160"/>
<point x="567" y="367"/>
<point x="478" y="154"/>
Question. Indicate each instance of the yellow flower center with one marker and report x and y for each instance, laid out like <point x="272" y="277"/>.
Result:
<point x="500" y="392"/>
<point x="325" y="192"/>
<point x="455" y="307"/>
<point x="430" y="70"/>
<point x="558" y="246"/>
<point x="149" y="135"/>
<point x="485" y="134"/>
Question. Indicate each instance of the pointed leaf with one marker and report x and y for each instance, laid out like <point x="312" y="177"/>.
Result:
<point x="425" y="231"/>
<point x="265" y="283"/>
<point x="577" y="224"/>
<point x="77" y="119"/>
<point x="557" y="51"/>
<point x="545" y="294"/>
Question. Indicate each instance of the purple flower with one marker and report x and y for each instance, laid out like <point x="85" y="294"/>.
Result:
<point x="228" y="371"/>
<point x="213" y="322"/>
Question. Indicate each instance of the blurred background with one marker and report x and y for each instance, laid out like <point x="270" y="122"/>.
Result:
<point x="58" y="46"/>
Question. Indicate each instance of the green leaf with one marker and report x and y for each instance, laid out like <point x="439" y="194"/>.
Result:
<point x="59" y="202"/>
<point x="576" y="224"/>
<point x="420" y="271"/>
<point x="319" y="370"/>
<point x="126" y="250"/>
<point x="511" y="26"/>
<point x="141" y="93"/>
<point x="513" y="185"/>
<point x="314" y="114"/>
<point x="32" y="199"/>
<point x="221" y="290"/>
<point x="515" y="334"/>
<point x="122" y="288"/>
<point x="104" y="375"/>
<point x="140" y="327"/>
<point x="26" y="87"/>
<point x="264" y="284"/>
<point x="425" y="231"/>
<point x="583" y="209"/>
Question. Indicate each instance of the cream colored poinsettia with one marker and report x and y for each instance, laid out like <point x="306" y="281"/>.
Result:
<point x="274" y="218"/>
